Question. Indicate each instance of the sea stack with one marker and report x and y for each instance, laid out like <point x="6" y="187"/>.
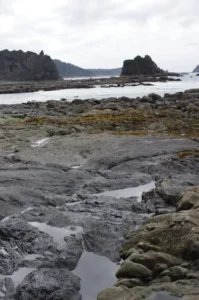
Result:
<point x="27" y="66"/>
<point x="140" y="66"/>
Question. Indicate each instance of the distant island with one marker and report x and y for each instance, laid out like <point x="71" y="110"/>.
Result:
<point x="27" y="66"/>
<point x="69" y="70"/>
<point x="196" y="70"/>
<point x="140" y="66"/>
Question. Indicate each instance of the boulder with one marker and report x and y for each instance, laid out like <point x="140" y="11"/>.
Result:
<point x="133" y="270"/>
<point x="192" y="108"/>
<point x="174" y="233"/>
<point x="116" y="293"/>
<point x="56" y="284"/>
<point x="189" y="199"/>
<point x="129" y="283"/>
<point x="153" y="260"/>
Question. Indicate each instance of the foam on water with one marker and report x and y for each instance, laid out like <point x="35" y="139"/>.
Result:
<point x="57" y="233"/>
<point x="96" y="273"/>
<point x="130" y="192"/>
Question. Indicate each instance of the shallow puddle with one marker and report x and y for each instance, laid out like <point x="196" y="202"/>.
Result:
<point x="96" y="273"/>
<point x="40" y="143"/>
<point x="57" y="233"/>
<point x="130" y="192"/>
<point x="76" y="167"/>
<point x="27" y="209"/>
<point x="32" y="257"/>
<point x="19" y="275"/>
<point x="5" y="219"/>
<point x="3" y="251"/>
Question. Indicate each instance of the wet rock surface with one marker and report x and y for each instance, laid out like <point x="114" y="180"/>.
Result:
<point x="162" y="254"/>
<point x="56" y="215"/>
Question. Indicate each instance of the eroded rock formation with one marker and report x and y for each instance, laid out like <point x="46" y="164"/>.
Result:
<point x="24" y="66"/>
<point x="140" y="66"/>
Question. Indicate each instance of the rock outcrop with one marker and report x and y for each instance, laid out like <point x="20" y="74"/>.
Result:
<point x="196" y="70"/>
<point x="161" y="256"/>
<point x="26" y="66"/>
<point x="140" y="66"/>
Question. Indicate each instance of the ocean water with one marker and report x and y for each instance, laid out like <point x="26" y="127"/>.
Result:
<point x="189" y="81"/>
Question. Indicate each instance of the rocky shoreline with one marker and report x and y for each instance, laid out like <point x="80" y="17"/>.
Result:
<point x="161" y="257"/>
<point x="57" y="162"/>
<point x="35" y="86"/>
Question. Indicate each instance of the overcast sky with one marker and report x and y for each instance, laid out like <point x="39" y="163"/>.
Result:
<point x="103" y="33"/>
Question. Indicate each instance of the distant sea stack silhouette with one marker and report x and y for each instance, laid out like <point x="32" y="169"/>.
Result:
<point x="140" y="66"/>
<point x="196" y="70"/>
<point x="27" y="66"/>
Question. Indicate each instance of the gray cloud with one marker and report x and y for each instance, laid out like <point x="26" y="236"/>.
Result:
<point x="102" y="33"/>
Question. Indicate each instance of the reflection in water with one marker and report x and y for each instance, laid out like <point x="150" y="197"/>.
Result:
<point x="130" y="192"/>
<point x="96" y="273"/>
<point x="57" y="233"/>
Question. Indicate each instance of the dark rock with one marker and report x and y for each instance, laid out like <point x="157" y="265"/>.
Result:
<point x="133" y="270"/>
<point x="19" y="66"/>
<point x="155" y="260"/>
<point x="189" y="199"/>
<point x="161" y="232"/>
<point x="154" y="96"/>
<point x="56" y="284"/>
<point x="178" y="272"/>
<point x="140" y="66"/>
<point x="196" y="69"/>
<point x="129" y="283"/>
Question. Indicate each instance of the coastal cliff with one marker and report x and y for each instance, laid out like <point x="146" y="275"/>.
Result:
<point x="26" y="66"/>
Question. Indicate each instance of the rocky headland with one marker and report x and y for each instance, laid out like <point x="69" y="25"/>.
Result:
<point x="27" y="66"/>
<point x="58" y="160"/>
